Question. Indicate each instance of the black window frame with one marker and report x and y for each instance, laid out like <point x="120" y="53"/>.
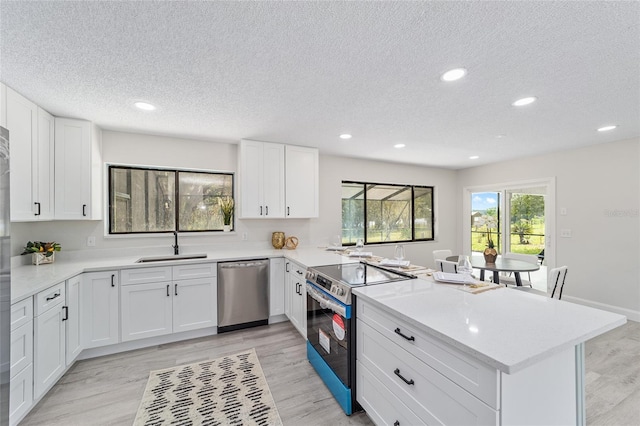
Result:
<point x="413" y="229"/>
<point x="176" y="172"/>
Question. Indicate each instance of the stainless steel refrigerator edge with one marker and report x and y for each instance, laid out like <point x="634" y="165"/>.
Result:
<point x="5" y="278"/>
<point x="243" y="294"/>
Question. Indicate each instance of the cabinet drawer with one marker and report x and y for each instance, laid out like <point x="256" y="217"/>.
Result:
<point x="21" y="313"/>
<point x="433" y="397"/>
<point x="201" y="270"/>
<point x="21" y="348"/>
<point x="381" y="405"/>
<point x="295" y="269"/>
<point x="20" y="395"/>
<point x="145" y="275"/>
<point x="47" y="299"/>
<point x="480" y="379"/>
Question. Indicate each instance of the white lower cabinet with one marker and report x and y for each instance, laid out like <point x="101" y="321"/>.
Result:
<point x="100" y="309"/>
<point x="276" y="286"/>
<point x="49" y="338"/>
<point x="391" y="360"/>
<point x="150" y="308"/>
<point x="21" y="385"/>
<point x="296" y="296"/>
<point x="72" y="320"/>
<point x="146" y="310"/>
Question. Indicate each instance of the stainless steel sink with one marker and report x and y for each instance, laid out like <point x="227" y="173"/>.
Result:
<point x="171" y="258"/>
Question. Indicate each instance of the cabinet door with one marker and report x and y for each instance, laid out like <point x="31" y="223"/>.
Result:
<point x="145" y="310"/>
<point x="44" y="194"/>
<point x="194" y="304"/>
<point x="273" y="180"/>
<point x="100" y="320"/>
<point x="73" y="169"/>
<point x="251" y="184"/>
<point x="276" y="286"/>
<point x="49" y="352"/>
<point x="297" y="292"/>
<point x="302" y="182"/>
<point x="22" y="122"/>
<point x="72" y="320"/>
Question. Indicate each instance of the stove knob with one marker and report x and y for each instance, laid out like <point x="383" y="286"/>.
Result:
<point x="340" y="292"/>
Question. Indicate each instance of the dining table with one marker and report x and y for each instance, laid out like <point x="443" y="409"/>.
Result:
<point x="503" y="265"/>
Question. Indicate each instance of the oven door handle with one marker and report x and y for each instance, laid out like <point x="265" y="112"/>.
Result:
<point x="325" y="302"/>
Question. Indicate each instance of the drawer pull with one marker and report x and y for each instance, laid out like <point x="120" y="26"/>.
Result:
<point x="396" y="423"/>
<point x="397" y="373"/>
<point x="409" y="338"/>
<point x="299" y="273"/>
<point x="53" y="297"/>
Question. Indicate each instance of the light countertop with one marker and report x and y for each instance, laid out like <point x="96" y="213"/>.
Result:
<point x="505" y="328"/>
<point x="27" y="280"/>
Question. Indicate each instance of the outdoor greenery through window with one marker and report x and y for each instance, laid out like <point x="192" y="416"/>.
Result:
<point x="145" y="200"/>
<point x="385" y="213"/>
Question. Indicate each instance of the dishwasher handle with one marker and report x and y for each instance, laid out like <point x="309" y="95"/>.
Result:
<point x="244" y="264"/>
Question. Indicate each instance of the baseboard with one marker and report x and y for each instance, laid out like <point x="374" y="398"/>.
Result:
<point x="144" y="343"/>
<point x="277" y="318"/>
<point x="629" y="313"/>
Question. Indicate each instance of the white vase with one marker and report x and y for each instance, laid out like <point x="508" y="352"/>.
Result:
<point x="226" y="228"/>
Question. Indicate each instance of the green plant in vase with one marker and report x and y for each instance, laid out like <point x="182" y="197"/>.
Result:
<point x="226" y="207"/>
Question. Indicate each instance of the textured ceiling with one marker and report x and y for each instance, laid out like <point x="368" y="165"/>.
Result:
<point x="305" y="72"/>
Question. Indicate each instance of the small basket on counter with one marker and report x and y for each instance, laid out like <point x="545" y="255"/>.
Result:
<point x="42" y="253"/>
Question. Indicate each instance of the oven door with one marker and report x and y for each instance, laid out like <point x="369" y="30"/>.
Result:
<point x="329" y="331"/>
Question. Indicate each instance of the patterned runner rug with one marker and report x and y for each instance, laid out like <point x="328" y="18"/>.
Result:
<point x="231" y="390"/>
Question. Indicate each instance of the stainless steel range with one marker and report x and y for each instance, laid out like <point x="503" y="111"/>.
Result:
<point x="331" y="347"/>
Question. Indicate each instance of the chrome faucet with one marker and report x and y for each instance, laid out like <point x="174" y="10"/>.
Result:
<point x="176" y="247"/>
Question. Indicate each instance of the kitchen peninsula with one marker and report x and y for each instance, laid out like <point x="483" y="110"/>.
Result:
<point x="429" y="353"/>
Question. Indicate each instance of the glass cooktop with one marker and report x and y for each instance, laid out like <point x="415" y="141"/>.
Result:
<point x="359" y="274"/>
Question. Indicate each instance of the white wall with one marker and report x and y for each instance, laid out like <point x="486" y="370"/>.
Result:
<point x="600" y="188"/>
<point x="149" y="150"/>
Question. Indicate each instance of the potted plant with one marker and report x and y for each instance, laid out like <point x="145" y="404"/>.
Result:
<point x="41" y="252"/>
<point x="490" y="253"/>
<point x="226" y="206"/>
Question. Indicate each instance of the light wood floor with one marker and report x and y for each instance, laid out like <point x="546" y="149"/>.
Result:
<point x="107" y="390"/>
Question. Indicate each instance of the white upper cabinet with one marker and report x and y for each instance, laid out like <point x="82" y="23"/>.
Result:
<point x="3" y="105"/>
<point x="78" y="172"/>
<point x="31" y="139"/>
<point x="268" y="189"/>
<point x="261" y="174"/>
<point x="301" y="181"/>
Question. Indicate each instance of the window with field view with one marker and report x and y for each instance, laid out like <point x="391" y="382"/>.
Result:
<point x="385" y="213"/>
<point x="145" y="200"/>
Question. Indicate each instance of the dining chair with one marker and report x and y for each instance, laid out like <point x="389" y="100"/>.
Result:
<point x="555" y="281"/>
<point x="441" y="254"/>
<point x="510" y="279"/>
<point x="447" y="266"/>
<point x="555" y="284"/>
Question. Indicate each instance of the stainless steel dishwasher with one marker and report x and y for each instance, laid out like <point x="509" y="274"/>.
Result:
<point x="243" y="294"/>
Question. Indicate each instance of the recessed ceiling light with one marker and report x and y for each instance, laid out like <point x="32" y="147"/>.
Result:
<point x="474" y="157"/>
<point x="525" y="101"/>
<point x="399" y="145"/>
<point x="345" y="136"/>
<point x="607" y="128"/>
<point x="454" y="74"/>
<point x="144" y="106"/>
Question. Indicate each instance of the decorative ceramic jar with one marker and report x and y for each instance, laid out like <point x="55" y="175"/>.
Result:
<point x="490" y="255"/>
<point x="291" y="243"/>
<point x="277" y="240"/>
